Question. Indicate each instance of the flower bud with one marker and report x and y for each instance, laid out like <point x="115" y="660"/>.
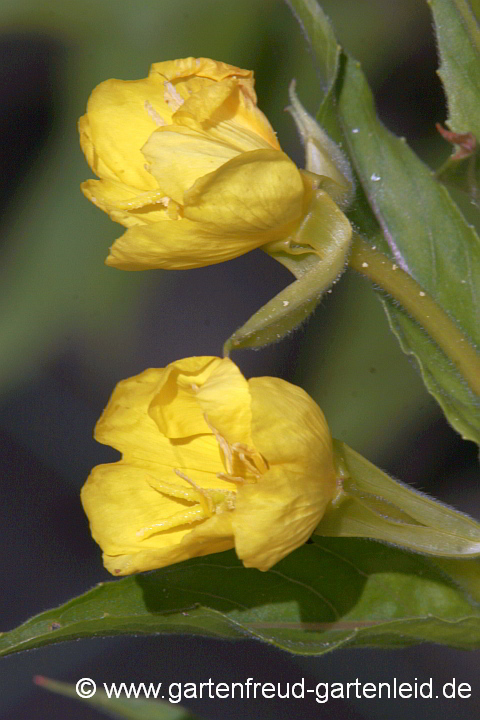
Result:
<point x="190" y="166"/>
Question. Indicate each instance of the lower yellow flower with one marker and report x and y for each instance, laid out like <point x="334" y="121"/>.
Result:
<point x="210" y="461"/>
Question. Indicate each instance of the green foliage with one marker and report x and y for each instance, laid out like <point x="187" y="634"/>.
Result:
<point x="462" y="172"/>
<point x="458" y="37"/>
<point x="332" y="592"/>
<point x="426" y="232"/>
<point x="328" y="594"/>
<point x="430" y="238"/>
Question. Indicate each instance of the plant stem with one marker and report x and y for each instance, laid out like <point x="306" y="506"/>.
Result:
<point x="420" y="306"/>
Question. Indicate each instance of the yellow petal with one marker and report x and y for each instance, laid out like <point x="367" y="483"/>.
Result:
<point x="126" y="425"/>
<point x="174" y="407"/>
<point x="225" y="399"/>
<point x="288" y="426"/>
<point x="204" y="103"/>
<point x="278" y="514"/>
<point x="86" y="143"/>
<point x="119" y="502"/>
<point x="201" y="67"/>
<point x="258" y="191"/>
<point x="239" y="115"/>
<point x="123" y="204"/>
<point x="228" y="113"/>
<point x="177" y="157"/>
<point x="180" y="244"/>
<point x="119" y="124"/>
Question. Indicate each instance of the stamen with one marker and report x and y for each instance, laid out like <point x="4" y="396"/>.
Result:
<point x="224" y="446"/>
<point x="232" y="478"/>
<point x="157" y="119"/>
<point x="205" y="500"/>
<point x="247" y="455"/>
<point x="250" y="465"/>
<point x="184" y="517"/>
<point x="172" y="97"/>
<point x="176" y="491"/>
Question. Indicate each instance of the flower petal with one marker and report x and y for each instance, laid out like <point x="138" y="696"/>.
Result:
<point x="200" y="67"/>
<point x="178" y="156"/>
<point x="119" y="502"/>
<point x="122" y="203"/>
<point x="240" y="120"/>
<point x="200" y="393"/>
<point x="278" y="514"/>
<point x="180" y="244"/>
<point x="225" y="399"/>
<point x="118" y="124"/>
<point x="301" y="433"/>
<point x="174" y="407"/>
<point x="126" y="425"/>
<point x="227" y="112"/>
<point x="258" y="191"/>
<point x="201" y="105"/>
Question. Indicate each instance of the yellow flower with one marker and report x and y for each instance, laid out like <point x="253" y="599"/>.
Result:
<point x="210" y="461"/>
<point x="190" y="165"/>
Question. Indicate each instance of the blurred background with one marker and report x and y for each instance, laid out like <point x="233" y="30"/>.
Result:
<point x="70" y="328"/>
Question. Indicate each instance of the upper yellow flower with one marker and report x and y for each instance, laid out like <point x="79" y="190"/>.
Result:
<point x="210" y="461"/>
<point x="190" y="165"/>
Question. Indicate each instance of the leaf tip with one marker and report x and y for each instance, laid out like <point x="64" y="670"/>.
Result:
<point x="40" y="680"/>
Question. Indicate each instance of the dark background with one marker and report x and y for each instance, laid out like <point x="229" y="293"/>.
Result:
<point x="70" y="328"/>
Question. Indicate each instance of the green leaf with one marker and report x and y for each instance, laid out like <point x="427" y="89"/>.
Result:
<point x="328" y="594"/>
<point x="458" y="37"/>
<point x="320" y="34"/>
<point x="427" y="234"/>
<point x="430" y="238"/>
<point x="463" y="173"/>
<point x="373" y="505"/>
<point x="327" y="53"/>
<point x="132" y="709"/>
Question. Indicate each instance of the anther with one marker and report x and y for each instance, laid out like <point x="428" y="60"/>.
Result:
<point x="232" y="478"/>
<point x="172" y="97"/>
<point x="224" y="446"/>
<point x="157" y="119"/>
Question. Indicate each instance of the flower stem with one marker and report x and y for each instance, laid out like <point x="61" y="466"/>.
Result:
<point x="420" y="306"/>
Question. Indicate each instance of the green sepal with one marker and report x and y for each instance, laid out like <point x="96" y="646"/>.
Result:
<point x="373" y="505"/>
<point x="316" y="255"/>
<point x="323" y="156"/>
